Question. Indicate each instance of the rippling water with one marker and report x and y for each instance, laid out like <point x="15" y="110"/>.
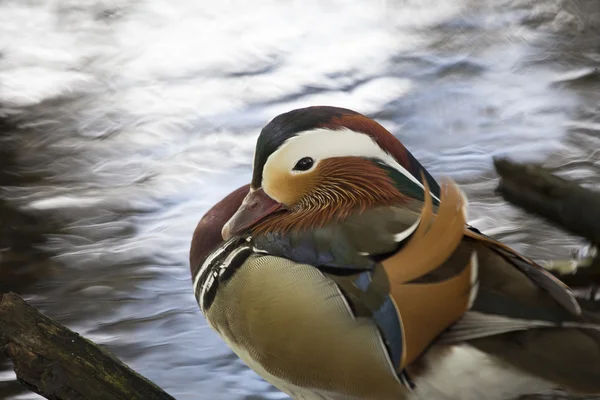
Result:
<point x="123" y="121"/>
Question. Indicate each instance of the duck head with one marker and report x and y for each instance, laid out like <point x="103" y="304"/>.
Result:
<point x="318" y="164"/>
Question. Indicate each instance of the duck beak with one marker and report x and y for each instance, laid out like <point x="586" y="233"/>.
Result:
<point x="256" y="206"/>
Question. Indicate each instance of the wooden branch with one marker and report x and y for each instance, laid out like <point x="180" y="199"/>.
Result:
<point x="59" y="364"/>
<point x="564" y="203"/>
<point x="561" y="202"/>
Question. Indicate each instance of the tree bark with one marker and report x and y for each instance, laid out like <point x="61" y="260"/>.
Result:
<point x="561" y="202"/>
<point x="59" y="364"/>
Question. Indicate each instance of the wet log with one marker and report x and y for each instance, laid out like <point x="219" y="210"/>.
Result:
<point x="563" y="203"/>
<point x="57" y="363"/>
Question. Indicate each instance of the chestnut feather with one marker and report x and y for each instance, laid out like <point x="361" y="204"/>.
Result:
<point x="385" y="140"/>
<point x="376" y="131"/>
<point x="341" y="185"/>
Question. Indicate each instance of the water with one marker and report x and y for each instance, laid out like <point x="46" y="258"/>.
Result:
<point x="124" y="121"/>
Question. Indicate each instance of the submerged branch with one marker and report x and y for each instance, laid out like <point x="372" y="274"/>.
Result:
<point x="563" y="203"/>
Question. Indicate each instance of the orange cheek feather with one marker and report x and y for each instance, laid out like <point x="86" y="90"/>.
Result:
<point x="289" y="188"/>
<point x="337" y="187"/>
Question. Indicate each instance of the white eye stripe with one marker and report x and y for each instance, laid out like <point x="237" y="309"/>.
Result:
<point x="324" y="143"/>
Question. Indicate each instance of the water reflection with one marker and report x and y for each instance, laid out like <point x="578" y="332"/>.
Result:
<point x="123" y="121"/>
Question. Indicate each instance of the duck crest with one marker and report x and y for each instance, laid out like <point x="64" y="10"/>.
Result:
<point x="385" y="140"/>
<point x="292" y="123"/>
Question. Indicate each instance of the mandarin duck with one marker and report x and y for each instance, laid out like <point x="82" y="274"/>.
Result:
<point x="345" y="271"/>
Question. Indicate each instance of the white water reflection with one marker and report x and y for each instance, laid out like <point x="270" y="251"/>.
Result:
<point x="141" y="114"/>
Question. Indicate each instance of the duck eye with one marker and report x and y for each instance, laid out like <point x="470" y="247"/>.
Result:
<point x="304" y="164"/>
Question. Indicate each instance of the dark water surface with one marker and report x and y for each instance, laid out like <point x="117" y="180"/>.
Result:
<point x="123" y="121"/>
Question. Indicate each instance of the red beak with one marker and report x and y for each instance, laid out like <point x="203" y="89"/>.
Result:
<point x="256" y="206"/>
